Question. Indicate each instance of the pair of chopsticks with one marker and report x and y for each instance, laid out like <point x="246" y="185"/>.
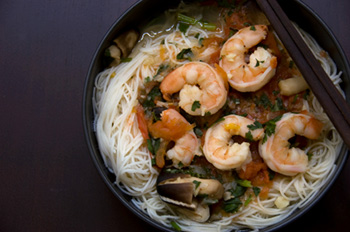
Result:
<point x="323" y="88"/>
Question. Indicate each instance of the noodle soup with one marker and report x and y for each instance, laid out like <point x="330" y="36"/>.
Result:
<point x="158" y="135"/>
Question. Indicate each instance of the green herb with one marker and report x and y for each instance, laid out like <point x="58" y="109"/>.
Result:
<point x="153" y="161"/>
<point x="271" y="174"/>
<point x="207" y="113"/>
<point x="249" y="136"/>
<point x="209" y="201"/>
<point x="278" y="105"/>
<point x="232" y="205"/>
<point x="291" y="64"/>
<point x="161" y="69"/>
<point x="198" y="131"/>
<point x="255" y="125"/>
<point x="124" y="60"/>
<point x="258" y="62"/>
<point x="153" y="145"/>
<point x="155" y="117"/>
<point x="183" y="27"/>
<point x="185" y="54"/>
<point x="263" y="101"/>
<point x="200" y="41"/>
<point x="149" y="146"/>
<point x="275" y="92"/>
<point x="256" y="191"/>
<point x="207" y="26"/>
<point x="249" y="199"/>
<point x="238" y="191"/>
<point x="175" y="226"/>
<point x="147" y="79"/>
<point x="197" y="36"/>
<point x="152" y="95"/>
<point x="244" y="183"/>
<point x="309" y="155"/>
<point x="195" y="105"/>
<point x="196" y="183"/>
<point x="270" y="127"/>
<point x="253" y="28"/>
<point x="247" y="24"/>
<point x="186" y="20"/>
<point x="295" y="98"/>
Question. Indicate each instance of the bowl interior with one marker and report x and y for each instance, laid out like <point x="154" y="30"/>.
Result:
<point x="296" y="10"/>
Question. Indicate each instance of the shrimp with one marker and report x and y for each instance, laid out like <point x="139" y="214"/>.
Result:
<point x="174" y="127"/>
<point x="223" y="153"/>
<point x="243" y="76"/>
<point x="202" y="88"/>
<point x="276" y="151"/>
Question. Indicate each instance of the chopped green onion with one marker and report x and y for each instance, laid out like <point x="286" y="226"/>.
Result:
<point x="124" y="60"/>
<point x="244" y="183"/>
<point x="186" y="19"/>
<point x="248" y="200"/>
<point x="175" y="226"/>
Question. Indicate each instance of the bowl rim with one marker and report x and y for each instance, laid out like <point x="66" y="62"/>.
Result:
<point x="91" y="140"/>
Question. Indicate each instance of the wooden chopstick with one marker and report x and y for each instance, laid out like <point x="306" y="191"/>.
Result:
<point x="323" y="88"/>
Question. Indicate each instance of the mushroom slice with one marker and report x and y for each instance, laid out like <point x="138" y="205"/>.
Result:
<point x="181" y="189"/>
<point x="127" y="41"/>
<point x="200" y="214"/>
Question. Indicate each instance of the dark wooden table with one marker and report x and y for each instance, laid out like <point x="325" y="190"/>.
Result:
<point x="48" y="181"/>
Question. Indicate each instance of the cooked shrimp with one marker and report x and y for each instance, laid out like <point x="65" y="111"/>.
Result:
<point x="185" y="149"/>
<point x="202" y="88"/>
<point x="243" y="76"/>
<point x="276" y="151"/>
<point x="174" y="127"/>
<point x="221" y="151"/>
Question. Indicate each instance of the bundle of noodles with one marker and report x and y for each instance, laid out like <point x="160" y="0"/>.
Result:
<point x="118" y="91"/>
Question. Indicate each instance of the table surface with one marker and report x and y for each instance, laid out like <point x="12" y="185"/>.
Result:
<point x="48" y="180"/>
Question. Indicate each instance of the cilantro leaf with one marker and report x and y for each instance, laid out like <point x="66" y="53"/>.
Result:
<point x="175" y="226"/>
<point x="185" y="53"/>
<point x="232" y="205"/>
<point x="255" y="125"/>
<point x="195" y="105"/>
<point x="256" y="191"/>
<point x="196" y="183"/>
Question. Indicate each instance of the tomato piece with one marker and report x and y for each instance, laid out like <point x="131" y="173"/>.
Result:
<point x="142" y="122"/>
<point x="172" y="126"/>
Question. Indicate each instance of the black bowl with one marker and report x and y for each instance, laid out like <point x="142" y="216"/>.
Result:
<point x="295" y="9"/>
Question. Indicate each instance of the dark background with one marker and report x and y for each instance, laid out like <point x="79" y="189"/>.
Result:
<point x="48" y="181"/>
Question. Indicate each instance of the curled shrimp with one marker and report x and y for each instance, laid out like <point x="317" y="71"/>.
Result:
<point x="276" y="151"/>
<point x="219" y="148"/>
<point x="174" y="127"/>
<point x="202" y="88"/>
<point x="243" y="76"/>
